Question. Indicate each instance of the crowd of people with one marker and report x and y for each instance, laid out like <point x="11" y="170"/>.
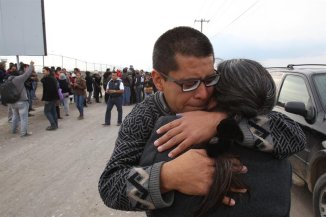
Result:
<point x="61" y="88"/>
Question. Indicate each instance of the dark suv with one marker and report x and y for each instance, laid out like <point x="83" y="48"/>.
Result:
<point x="302" y="97"/>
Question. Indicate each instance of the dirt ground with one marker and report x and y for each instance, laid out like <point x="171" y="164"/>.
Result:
<point x="55" y="173"/>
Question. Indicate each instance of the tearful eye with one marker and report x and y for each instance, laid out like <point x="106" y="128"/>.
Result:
<point x="189" y="84"/>
<point x="211" y="80"/>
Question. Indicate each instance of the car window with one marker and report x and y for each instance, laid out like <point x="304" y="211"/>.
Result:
<point x="293" y="89"/>
<point x="320" y="81"/>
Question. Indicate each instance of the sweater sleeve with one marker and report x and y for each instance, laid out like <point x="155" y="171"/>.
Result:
<point x="275" y="133"/>
<point x="124" y="184"/>
<point x="19" y="80"/>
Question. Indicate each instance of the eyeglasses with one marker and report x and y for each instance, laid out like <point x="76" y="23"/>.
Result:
<point x="193" y="84"/>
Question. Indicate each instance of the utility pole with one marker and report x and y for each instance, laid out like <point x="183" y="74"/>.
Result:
<point x="201" y="23"/>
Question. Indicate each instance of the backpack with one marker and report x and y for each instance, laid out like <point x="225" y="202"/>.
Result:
<point x="9" y="92"/>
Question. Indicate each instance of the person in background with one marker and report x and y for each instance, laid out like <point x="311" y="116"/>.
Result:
<point x="2" y="71"/>
<point x="89" y="86"/>
<point x="115" y="88"/>
<point x="72" y="81"/>
<point x="106" y="79"/>
<point x="97" y="87"/>
<point x="11" y="71"/>
<point x="56" y="74"/>
<point x="29" y="88"/>
<point x="20" y="108"/>
<point x="100" y="78"/>
<point x="132" y="76"/>
<point x="142" y="79"/>
<point x="50" y="97"/>
<point x="138" y="87"/>
<point x="80" y="93"/>
<point x="126" y="83"/>
<point x="148" y="85"/>
<point x="3" y="75"/>
<point x="34" y="85"/>
<point x="65" y="89"/>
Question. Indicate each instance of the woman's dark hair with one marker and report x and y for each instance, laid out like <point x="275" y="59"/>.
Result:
<point x="245" y="89"/>
<point x="180" y="40"/>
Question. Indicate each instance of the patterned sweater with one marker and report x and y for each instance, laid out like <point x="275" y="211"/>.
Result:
<point x="125" y="185"/>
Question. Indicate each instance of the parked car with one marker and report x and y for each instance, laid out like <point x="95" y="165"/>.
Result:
<point x="302" y="97"/>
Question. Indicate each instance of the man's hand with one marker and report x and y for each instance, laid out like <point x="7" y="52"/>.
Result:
<point x="192" y="173"/>
<point x="192" y="128"/>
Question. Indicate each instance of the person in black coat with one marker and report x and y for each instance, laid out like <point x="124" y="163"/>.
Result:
<point x="50" y="96"/>
<point x="97" y="87"/>
<point x="89" y="86"/>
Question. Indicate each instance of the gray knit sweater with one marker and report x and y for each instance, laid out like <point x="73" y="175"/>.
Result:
<point x="125" y="185"/>
<point x="19" y="81"/>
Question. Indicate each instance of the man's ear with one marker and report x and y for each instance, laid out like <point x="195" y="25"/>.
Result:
<point x="158" y="80"/>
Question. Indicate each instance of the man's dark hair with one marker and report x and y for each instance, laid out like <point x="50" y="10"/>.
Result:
<point x="180" y="40"/>
<point x="47" y="68"/>
<point x="51" y="72"/>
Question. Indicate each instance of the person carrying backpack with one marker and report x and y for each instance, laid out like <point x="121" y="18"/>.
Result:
<point x="20" y="108"/>
<point x="2" y="74"/>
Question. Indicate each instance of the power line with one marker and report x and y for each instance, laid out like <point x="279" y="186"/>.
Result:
<point x="204" y="5"/>
<point x="251" y="6"/>
<point x="201" y="23"/>
<point x="224" y="6"/>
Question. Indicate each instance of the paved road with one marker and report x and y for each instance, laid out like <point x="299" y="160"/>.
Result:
<point x="56" y="173"/>
<point x="301" y="202"/>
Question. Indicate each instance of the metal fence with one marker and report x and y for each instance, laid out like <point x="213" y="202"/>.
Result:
<point x="56" y="60"/>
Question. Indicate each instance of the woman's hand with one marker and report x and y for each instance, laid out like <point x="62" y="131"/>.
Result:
<point x="192" y="128"/>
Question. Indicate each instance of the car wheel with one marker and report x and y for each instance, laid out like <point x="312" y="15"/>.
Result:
<point x="319" y="197"/>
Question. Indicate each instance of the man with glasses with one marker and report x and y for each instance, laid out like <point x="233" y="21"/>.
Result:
<point x="183" y="72"/>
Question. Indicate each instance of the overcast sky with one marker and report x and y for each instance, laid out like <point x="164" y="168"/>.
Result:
<point x="123" y="32"/>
